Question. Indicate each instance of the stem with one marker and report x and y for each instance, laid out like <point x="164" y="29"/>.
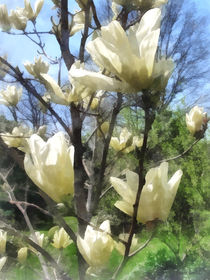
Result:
<point x="99" y="184"/>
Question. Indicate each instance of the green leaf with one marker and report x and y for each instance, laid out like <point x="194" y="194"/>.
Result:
<point x="72" y="223"/>
<point x="157" y="254"/>
<point x="70" y="260"/>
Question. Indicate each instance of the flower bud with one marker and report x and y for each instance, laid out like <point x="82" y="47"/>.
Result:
<point x="17" y="138"/>
<point x="195" y="119"/>
<point x="61" y="239"/>
<point x="31" y="15"/>
<point x="10" y="96"/>
<point x="37" y="68"/>
<point x="22" y="254"/>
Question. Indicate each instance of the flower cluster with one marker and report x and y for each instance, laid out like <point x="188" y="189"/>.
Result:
<point x="19" y="17"/>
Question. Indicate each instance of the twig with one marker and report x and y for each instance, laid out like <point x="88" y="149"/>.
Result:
<point x="30" y="88"/>
<point x="85" y="34"/>
<point x="95" y="17"/>
<point x="183" y="153"/>
<point x="43" y="252"/>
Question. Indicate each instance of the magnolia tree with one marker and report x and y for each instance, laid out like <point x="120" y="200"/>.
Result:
<point x="116" y="66"/>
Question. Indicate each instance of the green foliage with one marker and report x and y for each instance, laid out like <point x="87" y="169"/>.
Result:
<point x="156" y="255"/>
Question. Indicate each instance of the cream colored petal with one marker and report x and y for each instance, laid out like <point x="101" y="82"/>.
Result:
<point x="84" y="249"/>
<point x="148" y="49"/>
<point x="124" y="207"/>
<point x="28" y="9"/>
<point x="53" y="85"/>
<point x="123" y="189"/>
<point x="38" y="6"/>
<point x="2" y="262"/>
<point x="115" y="144"/>
<point x="132" y="180"/>
<point x="149" y="22"/>
<point x="105" y="226"/>
<point x="97" y="81"/>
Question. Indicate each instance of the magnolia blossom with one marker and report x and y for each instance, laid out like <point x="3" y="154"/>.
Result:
<point x="38" y="238"/>
<point x="31" y="15"/>
<point x="128" y="56"/>
<point x="22" y="254"/>
<point x="157" y="195"/>
<point x="2" y="262"/>
<point x="195" y="119"/>
<point x="125" y="143"/>
<point x="50" y="165"/>
<point x="96" y="247"/>
<point x="64" y="97"/>
<point x="38" y="67"/>
<point x="78" y="22"/>
<point x="10" y="96"/>
<point x="61" y="239"/>
<point x="5" y="24"/>
<point x="18" y="137"/>
<point x="3" y="241"/>
<point x="18" y="18"/>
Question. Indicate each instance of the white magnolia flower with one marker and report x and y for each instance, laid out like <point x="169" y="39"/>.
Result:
<point x="50" y="165"/>
<point x="18" y="137"/>
<point x="123" y="141"/>
<point x="64" y="97"/>
<point x="37" y="238"/>
<point x="78" y="22"/>
<point x="18" y="18"/>
<point x="157" y="195"/>
<point x="195" y="119"/>
<point x="61" y="239"/>
<point x="129" y="56"/>
<point x="31" y="15"/>
<point x="2" y="262"/>
<point x="10" y="96"/>
<point x="96" y="247"/>
<point x="22" y="254"/>
<point x="5" y="23"/>
<point x="3" y="241"/>
<point x="36" y="68"/>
